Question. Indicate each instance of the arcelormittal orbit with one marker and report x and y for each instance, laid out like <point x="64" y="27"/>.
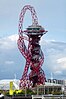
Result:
<point x="33" y="54"/>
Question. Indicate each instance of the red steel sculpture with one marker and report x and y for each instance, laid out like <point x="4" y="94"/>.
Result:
<point x="33" y="54"/>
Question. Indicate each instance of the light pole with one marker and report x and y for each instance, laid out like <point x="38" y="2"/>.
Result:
<point x="37" y="89"/>
<point x="62" y="91"/>
<point x="44" y="89"/>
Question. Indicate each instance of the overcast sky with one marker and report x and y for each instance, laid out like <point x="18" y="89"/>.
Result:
<point x="52" y="16"/>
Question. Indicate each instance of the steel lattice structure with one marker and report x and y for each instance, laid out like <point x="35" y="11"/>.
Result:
<point x="33" y="54"/>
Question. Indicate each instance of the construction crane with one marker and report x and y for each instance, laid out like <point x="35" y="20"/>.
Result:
<point x="33" y="54"/>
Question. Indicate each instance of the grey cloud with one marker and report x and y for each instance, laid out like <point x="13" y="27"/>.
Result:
<point x="53" y="51"/>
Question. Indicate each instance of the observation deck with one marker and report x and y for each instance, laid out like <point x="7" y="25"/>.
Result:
<point x="35" y="30"/>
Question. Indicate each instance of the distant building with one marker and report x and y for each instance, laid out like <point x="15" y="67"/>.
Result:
<point x="56" y="81"/>
<point x="64" y="87"/>
<point x="5" y="84"/>
<point x="48" y="88"/>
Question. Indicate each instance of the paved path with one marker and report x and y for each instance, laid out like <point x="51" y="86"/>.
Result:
<point x="46" y="97"/>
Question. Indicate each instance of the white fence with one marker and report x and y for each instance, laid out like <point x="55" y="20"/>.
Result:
<point x="38" y="96"/>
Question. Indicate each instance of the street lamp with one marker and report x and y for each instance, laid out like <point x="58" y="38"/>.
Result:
<point x="62" y="91"/>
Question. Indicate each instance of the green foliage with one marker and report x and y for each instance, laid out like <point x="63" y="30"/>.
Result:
<point x="30" y="92"/>
<point x="52" y="98"/>
<point x="22" y="92"/>
<point x="19" y="92"/>
<point x="57" y="93"/>
<point x="6" y="93"/>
